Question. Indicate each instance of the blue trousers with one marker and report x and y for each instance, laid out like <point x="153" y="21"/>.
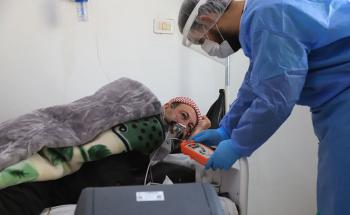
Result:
<point x="332" y="127"/>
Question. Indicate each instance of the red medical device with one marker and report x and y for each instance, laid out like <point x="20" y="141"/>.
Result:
<point x="197" y="151"/>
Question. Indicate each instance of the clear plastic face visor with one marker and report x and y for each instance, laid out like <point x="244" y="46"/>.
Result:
<point x="194" y="32"/>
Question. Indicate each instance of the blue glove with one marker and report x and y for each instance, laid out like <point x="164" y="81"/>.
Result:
<point x="211" y="137"/>
<point x="224" y="156"/>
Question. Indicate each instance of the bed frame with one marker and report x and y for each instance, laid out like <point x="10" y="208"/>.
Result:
<point x="234" y="182"/>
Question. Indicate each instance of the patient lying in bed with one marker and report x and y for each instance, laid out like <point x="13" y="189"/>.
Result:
<point x="118" y="156"/>
<point x="143" y="135"/>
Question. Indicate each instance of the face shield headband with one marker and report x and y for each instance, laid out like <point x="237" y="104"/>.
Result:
<point x="191" y="35"/>
<point x="191" y="19"/>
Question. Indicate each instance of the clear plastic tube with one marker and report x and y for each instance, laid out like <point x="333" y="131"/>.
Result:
<point x="82" y="11"/>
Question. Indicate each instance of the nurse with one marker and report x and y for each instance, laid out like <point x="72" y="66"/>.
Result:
<point x="299" y="53"/>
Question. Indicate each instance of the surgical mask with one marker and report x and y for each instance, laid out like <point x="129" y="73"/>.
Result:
<point x="215" y="49"/>
<point x="218" y="50"/>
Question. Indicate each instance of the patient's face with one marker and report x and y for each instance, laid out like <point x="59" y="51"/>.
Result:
<point x="183" y="114"/>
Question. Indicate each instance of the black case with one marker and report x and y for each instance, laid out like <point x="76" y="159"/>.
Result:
<point x="217" y="110"/>
<point x="184" y="199"/>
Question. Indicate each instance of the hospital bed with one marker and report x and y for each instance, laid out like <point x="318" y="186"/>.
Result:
<point x="233" y="183"/>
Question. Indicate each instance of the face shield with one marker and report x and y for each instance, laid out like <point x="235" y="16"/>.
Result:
<point x="194" y="28"/>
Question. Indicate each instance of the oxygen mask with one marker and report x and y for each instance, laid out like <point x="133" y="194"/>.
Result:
<point x="178" y="130"/>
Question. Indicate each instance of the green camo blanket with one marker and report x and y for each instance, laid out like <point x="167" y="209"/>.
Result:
<point x="143" y="135"/>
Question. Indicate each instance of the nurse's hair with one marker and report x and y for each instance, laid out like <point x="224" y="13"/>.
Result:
<point x="211" y="6"/>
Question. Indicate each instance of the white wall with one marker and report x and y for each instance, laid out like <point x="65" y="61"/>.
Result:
<point x="47" y="57"/>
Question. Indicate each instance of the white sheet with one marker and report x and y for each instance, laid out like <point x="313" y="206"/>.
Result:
<point x="229" y="206"/>
<point x="60" y="210"/>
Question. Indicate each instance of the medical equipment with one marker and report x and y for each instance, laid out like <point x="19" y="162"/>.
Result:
<point x="233" y="183"/>
<point x="165" y="148"/>
<point x="197" y="151"/>
<point x="185" y="199"/>
<point x="82" y="10"/>
<point x="178" y="130"/>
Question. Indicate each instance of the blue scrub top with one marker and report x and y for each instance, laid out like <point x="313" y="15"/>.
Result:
<point x="299" y="53"/>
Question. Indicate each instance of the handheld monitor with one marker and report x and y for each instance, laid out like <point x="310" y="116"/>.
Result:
<point x="197" y="151"/>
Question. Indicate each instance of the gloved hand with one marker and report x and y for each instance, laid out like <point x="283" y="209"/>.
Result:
<point x="224" y="156"/>
<point x="211" y="137"/>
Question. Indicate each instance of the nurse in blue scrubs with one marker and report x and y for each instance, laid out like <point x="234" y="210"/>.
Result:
<point x="299" y="53"/>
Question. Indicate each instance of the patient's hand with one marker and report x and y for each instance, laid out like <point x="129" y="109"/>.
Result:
<point x="203" y="124"/>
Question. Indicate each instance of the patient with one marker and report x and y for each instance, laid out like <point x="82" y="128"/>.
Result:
<point x="184" y="111"/>
<point x="118" y="156"/>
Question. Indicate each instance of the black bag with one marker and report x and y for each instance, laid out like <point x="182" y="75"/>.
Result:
<point x="217" y="110"/>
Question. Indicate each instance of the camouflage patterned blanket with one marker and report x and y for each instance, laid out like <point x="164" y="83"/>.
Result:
<point x="143" y="135"/>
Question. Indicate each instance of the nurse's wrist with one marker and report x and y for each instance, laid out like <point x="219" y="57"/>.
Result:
<point x="223" y="133"/>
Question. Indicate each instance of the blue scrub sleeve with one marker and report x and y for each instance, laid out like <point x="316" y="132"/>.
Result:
<point x="277" y="75"/>
<point x="245" y="97"/>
